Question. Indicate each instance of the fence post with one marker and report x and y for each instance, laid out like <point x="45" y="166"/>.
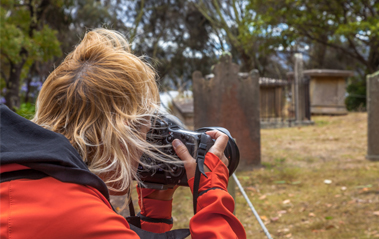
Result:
<point x="373" y="117"/>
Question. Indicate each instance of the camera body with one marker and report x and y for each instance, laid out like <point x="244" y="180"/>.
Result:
<point x="160" y="175"/>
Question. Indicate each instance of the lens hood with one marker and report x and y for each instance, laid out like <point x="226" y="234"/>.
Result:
<point x="231" y="152"/>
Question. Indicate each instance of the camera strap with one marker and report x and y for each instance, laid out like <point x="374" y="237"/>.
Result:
<point x="200" y="157"/>
<point x="133" y="219"/>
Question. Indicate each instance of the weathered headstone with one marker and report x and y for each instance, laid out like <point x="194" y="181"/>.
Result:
<point x="373" y="116"/>
<point x="299" y="88"/>
<point x="230" y="101"/>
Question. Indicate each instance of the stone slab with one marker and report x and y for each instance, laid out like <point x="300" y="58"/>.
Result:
<point x="322" y="110"/>
<point x="325" y="72"/>
<point x="373" y="117"/>
<point x="231" y="101"/>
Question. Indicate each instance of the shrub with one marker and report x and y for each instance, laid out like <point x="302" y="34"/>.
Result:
<point x="356" y="100"/>
<point x="26" y="110"/>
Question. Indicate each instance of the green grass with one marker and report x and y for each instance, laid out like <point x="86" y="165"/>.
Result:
<point x="289" y="192"/>
<point x="321" y="122"/>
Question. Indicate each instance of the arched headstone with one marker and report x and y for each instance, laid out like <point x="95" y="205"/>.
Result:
<point x="230" y="101"/>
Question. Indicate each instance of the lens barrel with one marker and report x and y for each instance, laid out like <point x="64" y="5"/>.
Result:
<point x="231" y="151"/>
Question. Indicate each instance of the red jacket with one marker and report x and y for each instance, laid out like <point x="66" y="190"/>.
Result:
<point x="48" y="208"/>
<point x="69" y="201"/>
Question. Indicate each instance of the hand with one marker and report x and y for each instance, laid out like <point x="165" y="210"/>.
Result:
<point x="217" y="149"/>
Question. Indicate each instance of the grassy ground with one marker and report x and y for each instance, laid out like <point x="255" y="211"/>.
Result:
<point x="291" y="192"/>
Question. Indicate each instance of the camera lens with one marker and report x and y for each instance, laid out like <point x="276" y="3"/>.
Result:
<point x="176" y="171"/>
<point x="231" y="151"/>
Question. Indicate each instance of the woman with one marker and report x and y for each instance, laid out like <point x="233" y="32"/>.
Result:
<point x="100" y="99"/>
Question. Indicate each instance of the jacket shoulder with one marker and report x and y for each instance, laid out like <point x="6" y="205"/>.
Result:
<point x="55" y="209"/>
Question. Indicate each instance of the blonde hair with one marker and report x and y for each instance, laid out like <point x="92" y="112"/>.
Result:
<point x="99" y="98"/>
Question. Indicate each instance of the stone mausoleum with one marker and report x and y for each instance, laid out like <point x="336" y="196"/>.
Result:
<point x="327" y="90"/>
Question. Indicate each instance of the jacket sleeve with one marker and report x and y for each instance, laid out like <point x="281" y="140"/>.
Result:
<point x="215" y="206"/>
<point x="214" y="217"/>
<point x="155" y="214"/>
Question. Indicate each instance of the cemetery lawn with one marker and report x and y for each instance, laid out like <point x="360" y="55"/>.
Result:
<point x="315" y="183"/>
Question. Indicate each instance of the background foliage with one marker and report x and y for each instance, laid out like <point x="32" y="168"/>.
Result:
<point x="182" y="36"/>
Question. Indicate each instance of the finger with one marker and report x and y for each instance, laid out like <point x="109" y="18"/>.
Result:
<point x="221" y="141"/>
<point x="182" y="152"/>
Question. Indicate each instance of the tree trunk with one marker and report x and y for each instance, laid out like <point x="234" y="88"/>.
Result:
<point x="319" y="54"/>
<point x="373" y="58"/>
<point x="28" y="81"/>
<point x="247" y="63"/>
<point x="12" y="96"/>
<point x="32" y="70"/>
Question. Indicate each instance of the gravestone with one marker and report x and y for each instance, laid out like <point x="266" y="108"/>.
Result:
<point x="373" y="117"/>
<point x="299" y="88"/>
<point x="300" y="92"/>
<point x="231" y="101"/>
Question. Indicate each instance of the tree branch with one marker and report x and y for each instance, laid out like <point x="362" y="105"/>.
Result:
<point x="33" y="21"/>
<point x="6" y="56"/>
<point x="20" y="5"/>
<point x="232" y="38"/>
<point x="358" y="57"/>
<point x="236" y="12"/>
<point x="220" y="40"/>
<point x="137" y="21"/>
<point x="207" y="16"/>
<point x="42" y="8"/>
<point x="5" y="77"/>
<point x="156" y="45"/>
<point x="361" y="40"/>
<point x="351" y="43"/>
<point x="242" y="12"/>
<point x="370" y="8"/>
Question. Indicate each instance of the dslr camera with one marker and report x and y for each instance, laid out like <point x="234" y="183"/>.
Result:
<point x="166" y="128"/>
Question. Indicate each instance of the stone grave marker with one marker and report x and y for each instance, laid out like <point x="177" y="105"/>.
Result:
<point x="231" y="101"/>
<point x="373" y="117"/>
